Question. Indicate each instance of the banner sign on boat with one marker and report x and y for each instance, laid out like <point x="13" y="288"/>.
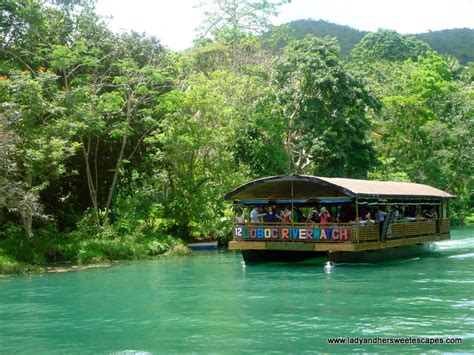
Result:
<point x="333" y="233"/>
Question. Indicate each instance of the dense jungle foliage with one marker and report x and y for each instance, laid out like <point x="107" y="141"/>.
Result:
<point x="114" y="147"/>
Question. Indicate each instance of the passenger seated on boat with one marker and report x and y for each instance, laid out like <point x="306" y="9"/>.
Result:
<point x="285" y="216"/>
<point x="324" y="216"/>
<point x="271" y="216"/>
<point x="419" y="217"/>
<point x="313" y="216"/>
<point x="432" y="214"/>
<point x="240" y="218"/>
<point x="367" y="219"/>
<point x="362" y="221"/>
<point x="256" y="215"/>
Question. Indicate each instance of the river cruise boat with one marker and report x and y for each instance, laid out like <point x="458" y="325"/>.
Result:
<point x="365" y="221"/>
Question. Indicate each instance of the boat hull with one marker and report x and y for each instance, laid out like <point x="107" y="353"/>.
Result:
<point x="380" y="255"/>
<point x="365" y="256"/>
<point x="287" y="256"/>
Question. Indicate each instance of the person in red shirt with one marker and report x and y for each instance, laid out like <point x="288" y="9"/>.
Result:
<point x="286" y="216"/>
<point x="324" y="216"/>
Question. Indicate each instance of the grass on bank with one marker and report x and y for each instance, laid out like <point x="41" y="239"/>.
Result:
<point x="469" y="220"/>
<point x="19" y="254"/>
<point x="9" y="265"/>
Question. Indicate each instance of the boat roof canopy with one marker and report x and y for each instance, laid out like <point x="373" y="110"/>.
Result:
<point x="288" y="188"/>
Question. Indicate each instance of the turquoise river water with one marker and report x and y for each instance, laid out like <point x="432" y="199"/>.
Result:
<point x="211" y="302"/>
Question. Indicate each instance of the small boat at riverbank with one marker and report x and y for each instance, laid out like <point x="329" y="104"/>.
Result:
<point x="204" y="245"/>
<point x="406" y="229"/>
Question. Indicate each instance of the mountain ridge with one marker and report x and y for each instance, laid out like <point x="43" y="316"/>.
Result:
<point x="458" y="42"/>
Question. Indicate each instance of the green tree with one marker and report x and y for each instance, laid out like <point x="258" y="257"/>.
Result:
<point x="108" y="104"/>
<point x="197" y="149"/>
<point x="260" y="144"/>
<point x="234" y="19"/>
<point x="424" y="132"/>
<point x="389" y="45"/>
<point x="34" y="152"/>
<point x="107" y="86"/>
<point x="325" y="109"/>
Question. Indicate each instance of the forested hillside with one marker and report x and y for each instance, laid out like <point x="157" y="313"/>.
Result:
<point x="347" y="36"/>
<point x="457" y="42"/>
<point x="114" y="147"/>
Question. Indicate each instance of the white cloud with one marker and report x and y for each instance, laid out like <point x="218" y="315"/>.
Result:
<point x="174" y="21"/>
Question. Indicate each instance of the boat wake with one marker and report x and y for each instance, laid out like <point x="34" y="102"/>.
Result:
<point x="462" y="256"/>
<point x="452" y="249"/>
<point x="455" y="248"/>
<point x="467" y="243"/>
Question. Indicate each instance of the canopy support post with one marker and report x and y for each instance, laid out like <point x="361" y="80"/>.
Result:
<point x="357" y="219"/>
<point x="292" y="206"/>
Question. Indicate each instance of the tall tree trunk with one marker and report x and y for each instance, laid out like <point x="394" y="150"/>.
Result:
<point x="289" y="138"/>
<point x="27" y="222"/>
<point x="235" y="28"/>
<point x="26" y="208"/>
<point x="119" y="162"/>
<point x="234" y="53"/>
<point x="289" y="152"/>
<point x="90" y="182"/>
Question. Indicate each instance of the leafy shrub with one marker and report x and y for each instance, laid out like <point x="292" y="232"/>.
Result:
<point x="469" y="219"/>
<point x="9" y="265"/>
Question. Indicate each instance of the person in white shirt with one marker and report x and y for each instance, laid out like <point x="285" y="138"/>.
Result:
<point x="381" y="215"/>
<point x="255" y="216"/>
<point x="240" y="219"/>
<point x="395" y="214"/>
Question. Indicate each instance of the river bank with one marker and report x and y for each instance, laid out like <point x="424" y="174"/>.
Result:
<point x="68" y="254"/>
<point x="37" y="256"/>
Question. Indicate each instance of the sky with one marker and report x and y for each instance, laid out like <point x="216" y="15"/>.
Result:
<point x="174" y="21"/>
